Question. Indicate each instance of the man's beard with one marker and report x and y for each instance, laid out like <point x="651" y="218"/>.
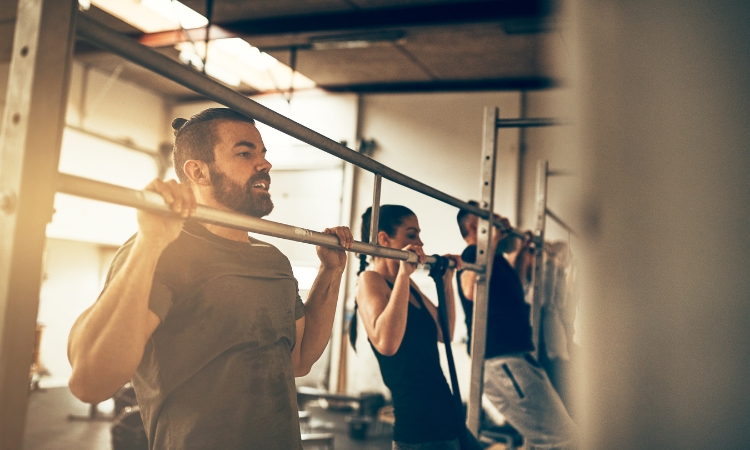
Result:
<point x="242" y="199"/>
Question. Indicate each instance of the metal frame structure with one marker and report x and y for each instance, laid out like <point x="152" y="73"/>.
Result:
<point x="30" y="139"/>
<point x="37" y="96"/>
<point x="542" y="175"/>
<point x="485" y="255"/>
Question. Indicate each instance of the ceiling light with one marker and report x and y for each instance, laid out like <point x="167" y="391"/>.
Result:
<point x="178" y="13"/>
<point x="358" y="40"/>
<point x="232" y="61"/>
<point x="152" y="16"/>
<point x="254" y="68"/>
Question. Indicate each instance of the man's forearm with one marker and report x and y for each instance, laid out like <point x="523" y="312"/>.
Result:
<point x="320" y="310"/>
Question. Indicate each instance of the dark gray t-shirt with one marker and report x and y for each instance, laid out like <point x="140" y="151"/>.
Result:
<point x="217" y="372"/>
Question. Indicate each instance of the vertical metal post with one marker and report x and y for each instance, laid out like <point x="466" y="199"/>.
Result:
<point x="30" y="140"/>
<point x="539" y="269"/>
<point x="338" y="343"/>
<point x="375" y="218"/>
<point x="521" y="161"/>
<point x="485" y="255"/>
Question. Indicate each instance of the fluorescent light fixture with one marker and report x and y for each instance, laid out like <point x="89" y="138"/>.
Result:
<point x="213" y="70"/>
<point x="152" y="16"/>
<point x="225" y="76"/>
<point x="177" y="12"/>
<point x="232" y="61"/>
<point x="254" y="68"/>
<point x="245" y="52"/>
<point x="358" y="40"/>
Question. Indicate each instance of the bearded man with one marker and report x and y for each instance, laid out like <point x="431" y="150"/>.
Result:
<point x="206" y="321"/>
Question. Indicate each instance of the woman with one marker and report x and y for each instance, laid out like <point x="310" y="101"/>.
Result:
<point x="403" y="331"/>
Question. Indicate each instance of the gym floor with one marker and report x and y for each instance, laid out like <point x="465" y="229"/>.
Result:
<point x="48" y="426"/>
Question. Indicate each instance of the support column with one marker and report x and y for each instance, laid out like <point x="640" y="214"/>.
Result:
<point x="539" y="264"/>
<point x="30" y="141"/>
<point x="485" y="255"/>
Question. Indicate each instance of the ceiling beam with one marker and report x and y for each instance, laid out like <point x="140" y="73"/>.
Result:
<point x="417" y="15"/>
<point x="496" y="84"/>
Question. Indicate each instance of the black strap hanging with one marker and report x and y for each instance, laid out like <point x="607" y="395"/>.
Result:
<point x="437" y="270"/>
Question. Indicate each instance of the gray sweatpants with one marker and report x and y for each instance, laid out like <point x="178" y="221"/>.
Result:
<point x="519" y="388"/>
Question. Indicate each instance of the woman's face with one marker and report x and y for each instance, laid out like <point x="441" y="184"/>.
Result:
<point x="407" y="233"/>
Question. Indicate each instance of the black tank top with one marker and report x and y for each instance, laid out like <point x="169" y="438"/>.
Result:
<point x="422" y="402"/>
<point x="508" y="314"/>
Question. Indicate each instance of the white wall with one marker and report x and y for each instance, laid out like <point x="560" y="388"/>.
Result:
<point x="103" y="104"/>
<point x="74" y="274"/>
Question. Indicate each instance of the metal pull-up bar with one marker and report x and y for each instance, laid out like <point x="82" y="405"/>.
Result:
<point x="151" y="201"/>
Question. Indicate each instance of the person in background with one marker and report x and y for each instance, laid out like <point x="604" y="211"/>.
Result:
<point x="403" y="331"/>
<point x="514" y="382"/>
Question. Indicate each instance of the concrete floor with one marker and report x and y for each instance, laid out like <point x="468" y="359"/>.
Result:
<point x="48" y="426"/>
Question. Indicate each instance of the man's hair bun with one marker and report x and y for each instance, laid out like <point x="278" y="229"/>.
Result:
<point x="177" y="124"/>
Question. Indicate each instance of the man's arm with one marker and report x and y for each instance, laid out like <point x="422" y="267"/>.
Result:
<point x="314" y="328"/>
<point x="107" y="341"/>
<point x="468" y="278"/>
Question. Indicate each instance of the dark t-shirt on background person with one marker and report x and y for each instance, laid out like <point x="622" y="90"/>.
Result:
<point x="508" y="314"/>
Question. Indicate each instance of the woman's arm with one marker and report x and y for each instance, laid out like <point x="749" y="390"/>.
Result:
<point x="384" y="313"/>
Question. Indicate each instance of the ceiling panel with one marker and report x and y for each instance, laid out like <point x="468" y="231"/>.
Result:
<point x="449" y="45"/>
<point x="355" y="66"/>
<point x="474" y="52"/>
<point x="233" y="10"/>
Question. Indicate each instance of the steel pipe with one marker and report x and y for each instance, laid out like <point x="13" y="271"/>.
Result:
<point x="131" y="50"/>
<point x="523" y="123"/>
<point x="485" y="256"/>
<point x="151" y="201"/>
<point x="375" y="212"/>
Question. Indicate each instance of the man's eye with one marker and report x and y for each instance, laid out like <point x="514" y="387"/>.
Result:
<point x="244" y="154"/>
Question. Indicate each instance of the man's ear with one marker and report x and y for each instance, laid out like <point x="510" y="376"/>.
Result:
<point x="383" y="239"/>
<point x="197" y="172"/>
<point x="473" y="224"/>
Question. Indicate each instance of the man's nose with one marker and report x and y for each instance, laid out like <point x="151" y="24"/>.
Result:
<point x="264" y="166"/>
